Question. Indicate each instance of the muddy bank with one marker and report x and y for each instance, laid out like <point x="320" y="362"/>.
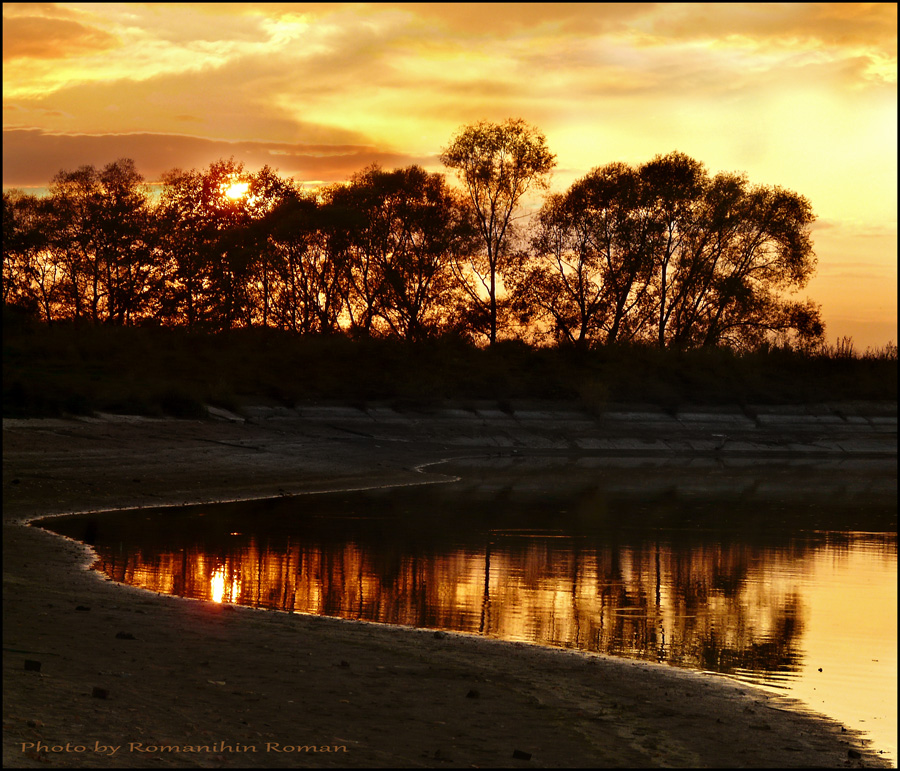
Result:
<point x="238" y="686"/>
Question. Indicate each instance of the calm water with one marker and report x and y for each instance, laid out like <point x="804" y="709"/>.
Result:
<point x="781" y="574"/>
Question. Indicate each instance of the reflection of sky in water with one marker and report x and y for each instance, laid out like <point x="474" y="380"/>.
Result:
<point x="851" y="636"/>
<point x="739" y="571"/>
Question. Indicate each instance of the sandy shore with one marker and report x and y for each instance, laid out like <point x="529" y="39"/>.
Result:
<point x="234" y="687"/>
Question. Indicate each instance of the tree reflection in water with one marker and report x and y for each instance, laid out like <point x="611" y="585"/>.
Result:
<point x="698" y="565"/>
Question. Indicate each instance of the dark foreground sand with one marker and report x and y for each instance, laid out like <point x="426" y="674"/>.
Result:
<point x="234" y="687"/>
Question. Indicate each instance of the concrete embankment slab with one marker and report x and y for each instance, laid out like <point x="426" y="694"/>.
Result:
<point x="630" y="429"/>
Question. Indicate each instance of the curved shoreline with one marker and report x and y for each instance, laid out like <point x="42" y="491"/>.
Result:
<point x="397" y="696"/>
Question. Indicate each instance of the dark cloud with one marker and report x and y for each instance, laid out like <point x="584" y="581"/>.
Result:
<point x="36" y="37"/>
<point x="32" y="157"/>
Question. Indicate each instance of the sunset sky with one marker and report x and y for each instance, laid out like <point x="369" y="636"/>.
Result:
<point x="802" y="95"/>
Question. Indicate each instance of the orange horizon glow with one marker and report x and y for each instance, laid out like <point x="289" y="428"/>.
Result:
<point x="797" y="95"/>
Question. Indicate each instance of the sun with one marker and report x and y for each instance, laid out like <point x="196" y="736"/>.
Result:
<point x="237" y="190"/>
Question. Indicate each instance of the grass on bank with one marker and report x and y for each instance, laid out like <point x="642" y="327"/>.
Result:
<point x="80" y="369"/>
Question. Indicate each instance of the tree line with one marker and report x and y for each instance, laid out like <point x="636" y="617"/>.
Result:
<point x="660" y="253"/>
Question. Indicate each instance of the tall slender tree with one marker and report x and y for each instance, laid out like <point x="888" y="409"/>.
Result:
<point x="497" y="163"/>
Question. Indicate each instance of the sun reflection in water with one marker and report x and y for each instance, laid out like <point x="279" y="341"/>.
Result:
<point x="220" y="590"/>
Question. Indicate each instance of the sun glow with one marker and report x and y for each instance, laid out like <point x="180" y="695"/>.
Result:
<point x="237" y="190"/>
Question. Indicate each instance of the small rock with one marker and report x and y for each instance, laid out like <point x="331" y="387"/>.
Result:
<point x="82" y="607"/>
<point x="32" y="666"/>
<point x="853" y="754"/>
<point x="440" y="635"/>
<point x="125" y="636"/>
<point x="100" y="693"/>
<point x="520" y="755"/>
<point x="473" y="694"/>
<point x="345" y="664"/>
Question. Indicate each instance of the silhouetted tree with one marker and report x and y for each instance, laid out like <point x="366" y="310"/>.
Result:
<point x="770" y="254"/>
<point x="357" y="240"/>
<point x="658" y="253"/>
<point x="311" y="285"/>
<point x="229" y="258"/>
<point x="430" y="231"/>
<point x="674" y="184"/>
<point x="185" y="234"/>
<point x="663" y="253"/>
<point x="124" y="241"/>
<point x="219" y="253"/>
<point x="73" y="240"/>
<point x="98" y="240"/>
<point x="30" y="278"/>
<point x="266" y="191"/>
<point x="729" y="252"/>
<point x="561" y="285"/>
<point x="404" y="227"/>
<point x="497" y="164"/>
<point x="591" y="265"/>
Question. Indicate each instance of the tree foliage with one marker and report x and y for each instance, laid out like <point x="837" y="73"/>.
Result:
<point x="403" y="230"/>
<point x="665" y="254"/>
<point x="30" y="279"/>
<point x="85" y="252"/>
<point x="497" y="163"/>
<point x="661" y="253"/>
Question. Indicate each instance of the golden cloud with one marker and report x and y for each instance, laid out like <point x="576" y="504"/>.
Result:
<point x="783" y="32"/>
<point x="37" y="37"/>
